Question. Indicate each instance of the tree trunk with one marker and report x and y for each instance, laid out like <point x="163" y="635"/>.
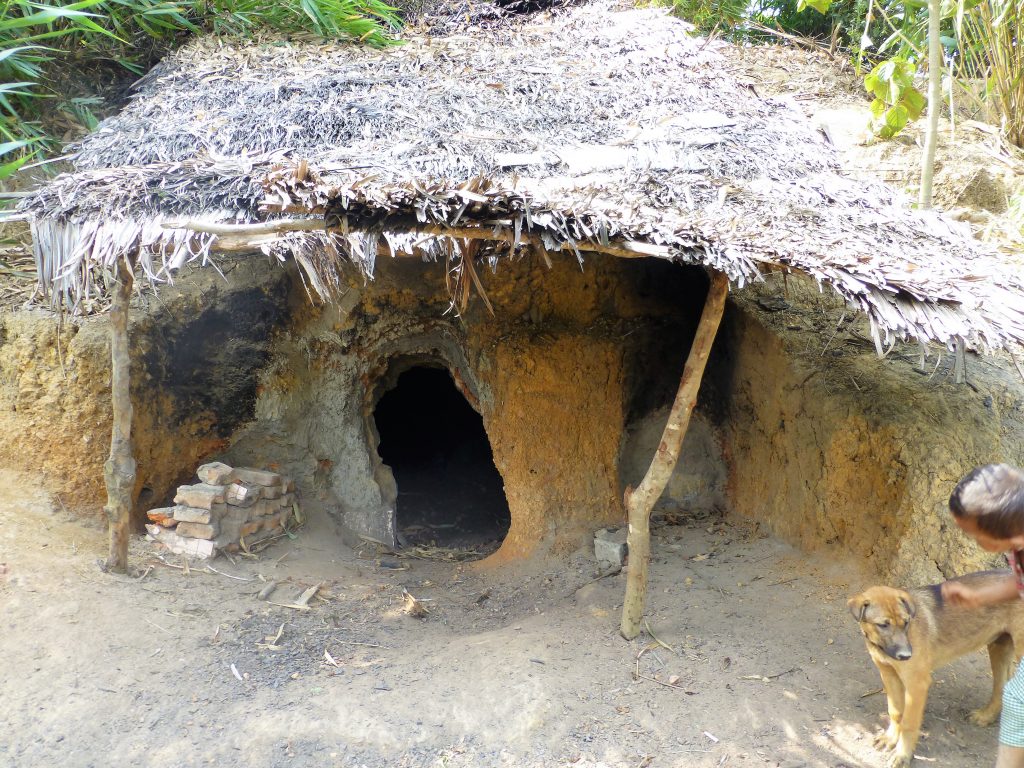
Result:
<point x="640" y="502"/>
<point x="119" y="470"/>
<point x="934" y="104"/>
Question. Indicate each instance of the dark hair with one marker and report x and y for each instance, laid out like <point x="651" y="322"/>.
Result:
<point x="992" y="496"/>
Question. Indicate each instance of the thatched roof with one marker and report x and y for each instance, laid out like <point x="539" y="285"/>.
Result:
<point x="587" y="130"/>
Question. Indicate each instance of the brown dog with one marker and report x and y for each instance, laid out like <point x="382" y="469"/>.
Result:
<point x="910" y="634"/>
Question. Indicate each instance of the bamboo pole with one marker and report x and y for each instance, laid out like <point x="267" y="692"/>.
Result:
<point x="931" y="133"/>
<point x="119" y="469"/>
<point x="640" y="502"/>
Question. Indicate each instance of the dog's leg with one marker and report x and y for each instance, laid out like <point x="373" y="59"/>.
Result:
<point x="914" y="699"/>
<point x="1000" y="656"/>
<point x="894" y="695"/>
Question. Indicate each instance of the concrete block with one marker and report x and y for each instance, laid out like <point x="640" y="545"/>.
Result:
<point x="264" y="507"/>
<point x="185" y="514"/>
<point x="229" y="531"/>
<point x="242" y="494"/>
<point x="235" y="514"/>
<point x="255" y="476"/>
<point x="273" y="491"/>
<point x="610" y="547"/>
<point x="179" y="545"/>
<point x="214" y="473"/>
<point x="200" y="496"/>
<point x="199" y="548"/>
<point x="198" y="530"/>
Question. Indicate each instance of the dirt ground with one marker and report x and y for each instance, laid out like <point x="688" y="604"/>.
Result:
<point x="759" y="663"/>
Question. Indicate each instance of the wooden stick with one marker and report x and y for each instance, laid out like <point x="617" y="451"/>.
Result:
<point x="1016" y="364"/>
<point x="659" y="682"/>
<point x="805" y="42"/>
<point x="119" y="469"/>
<point x="227" y="575"/>
<point x="352" y="642"/>
<point x="306" y="596"/>
<point x="260" y="230"/>
<point x="293" y="606"/>
<point x="640" y="502"/>
<point x="266" y="591"/>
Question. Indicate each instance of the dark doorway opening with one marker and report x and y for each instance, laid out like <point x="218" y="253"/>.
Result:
<point x="450" y="494"/>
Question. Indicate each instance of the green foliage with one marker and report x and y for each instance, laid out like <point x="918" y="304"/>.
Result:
<point x="28" y="32"/>
<point x="992" y="49"/>
<point x="787" y="15"/>
<point x="897" y="101"/>
<point x="1015" y="212"/>
<point x="842" y="18"/>
<point x="38" y="37"/>
<point x="982" y="39"/>
<point x="708" y="15"/>
<point x="821" y="6"/>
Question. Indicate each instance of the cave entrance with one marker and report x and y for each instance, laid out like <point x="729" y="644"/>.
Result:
<point x="450" y="494"/>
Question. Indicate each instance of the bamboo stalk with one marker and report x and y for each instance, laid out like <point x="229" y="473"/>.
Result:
<point x="934" y="104"/>
<point x="640" y="502"/>
<point x="119" y="469"/>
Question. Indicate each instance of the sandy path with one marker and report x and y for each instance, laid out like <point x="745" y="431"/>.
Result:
<point x="522" y="667"/>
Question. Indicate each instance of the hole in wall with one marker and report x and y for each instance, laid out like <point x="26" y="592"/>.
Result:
<point x="450" y="494"/>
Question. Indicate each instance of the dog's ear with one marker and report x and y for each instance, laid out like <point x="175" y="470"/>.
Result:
<point x="858" y="606"/>
<point x="908" y="605"/>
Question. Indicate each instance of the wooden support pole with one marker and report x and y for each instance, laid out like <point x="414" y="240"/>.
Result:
<point x="640" y="502"/>
<point x="119" y="470"/>
<point x="236" y="236"/>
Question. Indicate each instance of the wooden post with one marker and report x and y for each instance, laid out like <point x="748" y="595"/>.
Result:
<point x="119" y="470"/>
<point x="640" y="502"/>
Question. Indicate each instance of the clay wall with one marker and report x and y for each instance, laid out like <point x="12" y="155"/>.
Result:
<point x="799" y="426"/>
<point x="195" y="349"/>
<point x="551" y="373"/>
<point x="831" y="448"/>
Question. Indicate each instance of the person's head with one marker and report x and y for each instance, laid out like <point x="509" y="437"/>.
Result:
<point x="988" y="505"/>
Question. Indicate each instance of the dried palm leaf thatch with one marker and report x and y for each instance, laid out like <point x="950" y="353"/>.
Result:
<point x="587" y="130"/>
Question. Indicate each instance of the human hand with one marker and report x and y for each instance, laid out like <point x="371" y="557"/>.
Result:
<point x="959" y="594"/>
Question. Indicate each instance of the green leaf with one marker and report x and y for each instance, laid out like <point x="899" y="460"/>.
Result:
<point x="878" y="108"/>
<point x="50" y="14"/>
<point x="894" y="91"/>
<point x="874" y="86"/>
<point x="15" y="51"/>
<point x="14" y="87"/>
<point x="9" y="169"/>
<point x="897" y="118"/>
<point x="821" y="6"/>
<point x="902" y="72"/>
<point x="11" y="146"/>
<point x="915" y="102"/>
<point x="885" y="70"/>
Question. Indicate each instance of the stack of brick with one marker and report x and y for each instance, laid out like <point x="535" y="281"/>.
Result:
<point x="229" y="509"/>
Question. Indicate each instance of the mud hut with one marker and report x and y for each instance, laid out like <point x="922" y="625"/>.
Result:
<point x="507" y="231"/>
